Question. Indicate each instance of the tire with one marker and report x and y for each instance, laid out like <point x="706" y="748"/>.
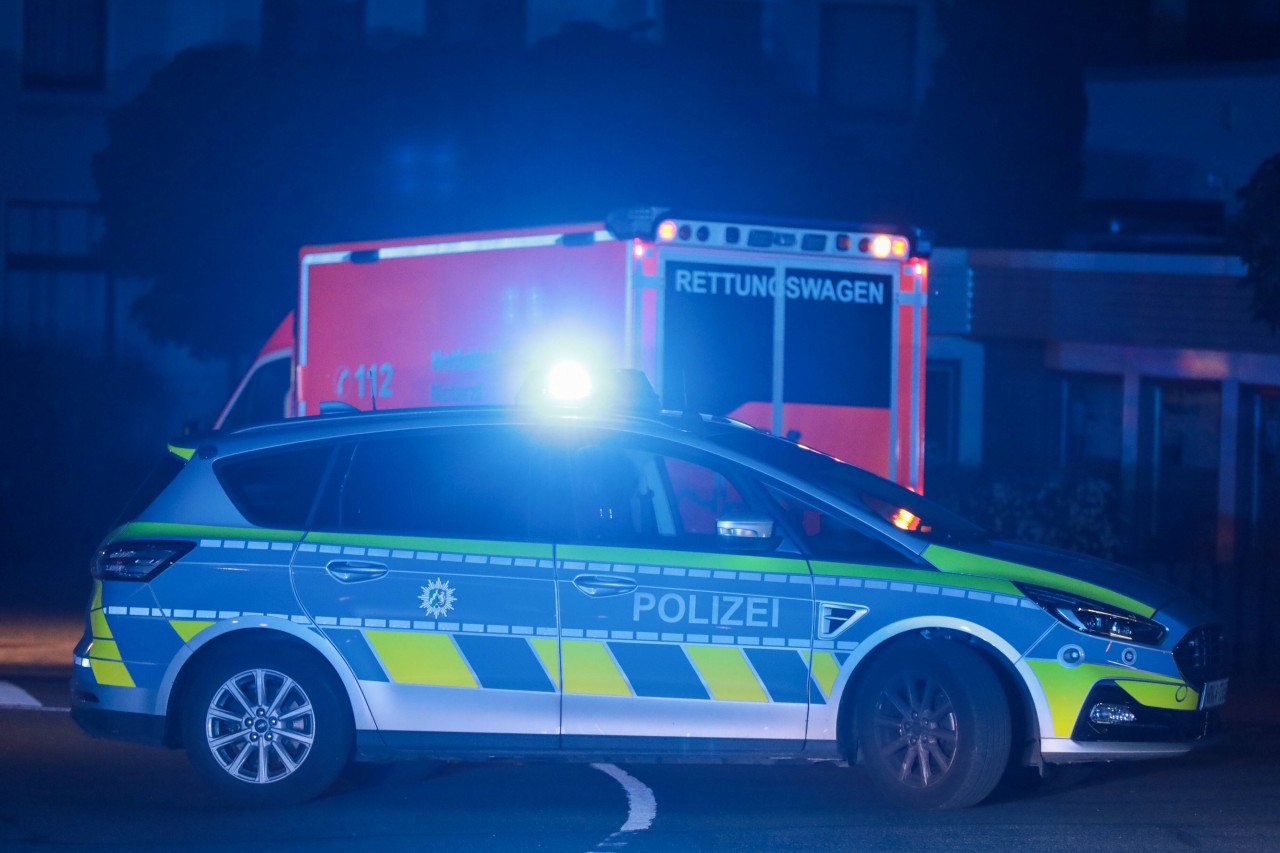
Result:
<point x="266" y="727"/>
<point x="933" y="725"/>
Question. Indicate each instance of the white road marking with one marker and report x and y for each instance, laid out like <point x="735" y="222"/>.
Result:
<point x="642" y="808"/>
<point x="13" y="696"/>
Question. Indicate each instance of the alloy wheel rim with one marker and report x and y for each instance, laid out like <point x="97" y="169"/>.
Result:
<point x="915" y="730"/>
<point x="260" y="726"/>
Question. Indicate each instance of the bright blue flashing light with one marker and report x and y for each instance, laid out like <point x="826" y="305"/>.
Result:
<point x="568" y="382"/>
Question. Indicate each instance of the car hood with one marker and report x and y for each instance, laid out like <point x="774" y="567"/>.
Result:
<point x="1056" y="569"/>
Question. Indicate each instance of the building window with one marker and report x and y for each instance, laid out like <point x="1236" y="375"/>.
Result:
<point x="64" y="45"/>
<point x="54" y="288"/>
<point x="942" y="414"/>
<point x="1179" y="452"/>
<point x="868" y="59"/>
<point x="1259" y="504"/>
<point x="1091" y="425"/>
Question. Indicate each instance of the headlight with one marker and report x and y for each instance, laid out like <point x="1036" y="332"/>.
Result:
<point x="1094" y="617"/>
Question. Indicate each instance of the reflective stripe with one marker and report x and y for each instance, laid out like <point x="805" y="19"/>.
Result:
<point x="1066" y="687"/>
<point x="589" y="668"/>
<point x="168" y="530"/>
<point x="962" y="562"/>
<point x="914" y="580"/>
<point x="188" y="628"/>
<point x="415" y="658"/>
<point x="98" y="622"/>
<point x="549" y="654"/>
<point x="111" y="672"/>
<point x="726" y="673"/>
<point x="104" y="649"/>
<point x="652" y="557"/>
<point x="1179" y="697"/>
<point x="104" y="653"/>
<point x="825" y="671"/>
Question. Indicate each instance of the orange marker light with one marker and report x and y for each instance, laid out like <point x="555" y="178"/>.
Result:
<point x="667" y="230"/>
<point x="904" y="520"/>
<point x="899" y="247"/>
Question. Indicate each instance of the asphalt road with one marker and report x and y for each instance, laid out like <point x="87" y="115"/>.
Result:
<point x="62" y="791"/>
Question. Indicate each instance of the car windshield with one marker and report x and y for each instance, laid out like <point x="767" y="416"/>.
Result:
<point x="899" y="506"/>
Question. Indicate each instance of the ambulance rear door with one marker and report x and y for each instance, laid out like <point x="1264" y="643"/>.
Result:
<point x="805" y="333"/>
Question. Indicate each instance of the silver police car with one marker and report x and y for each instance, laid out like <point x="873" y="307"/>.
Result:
<point x="467" y="583"/>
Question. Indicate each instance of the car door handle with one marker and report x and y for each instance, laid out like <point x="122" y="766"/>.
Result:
<point x="600" y="586"/>
<point x="350" y="571"/>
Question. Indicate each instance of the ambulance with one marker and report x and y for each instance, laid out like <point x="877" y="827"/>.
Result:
<point x="812" y="332"/>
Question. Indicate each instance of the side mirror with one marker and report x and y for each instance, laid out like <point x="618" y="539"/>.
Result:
<point x="745" y="531"/>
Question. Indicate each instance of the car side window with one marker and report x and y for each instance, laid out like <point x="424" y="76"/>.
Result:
<point x="827" y="536"/>
<point x="275" y="488"/>
<point x="646" y="494"/>
<point x="466" y="484"/>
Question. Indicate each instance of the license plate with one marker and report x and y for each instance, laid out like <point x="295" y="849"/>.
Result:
<point x="1214" y="694"/>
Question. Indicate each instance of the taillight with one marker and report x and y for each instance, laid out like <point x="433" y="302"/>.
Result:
<point x="137" y="559"/>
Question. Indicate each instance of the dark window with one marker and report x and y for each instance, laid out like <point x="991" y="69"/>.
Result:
<point x="157" y="480"/>
<point x="64" y="45"/>
<point x="1091" y="424"/>
<point x="1181" y="423"/>
<point x="54" y="289"/>
<point x="646" y="494"/>
<point x="941" y="416"/>
<point x="276" y="488"/>
<point x="263" y="397"/>
<point x="473" y="484"/>
<point x="827" y="536"/>
<point x="899" y="506"/>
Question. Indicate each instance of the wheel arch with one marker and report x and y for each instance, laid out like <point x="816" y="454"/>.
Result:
<point x="254" y="634"/>
<point x="1026" y="699"/>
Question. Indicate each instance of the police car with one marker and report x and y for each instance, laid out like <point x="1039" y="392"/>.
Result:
<point x="467" y="583"/>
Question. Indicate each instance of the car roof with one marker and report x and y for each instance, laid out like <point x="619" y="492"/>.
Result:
<point x="355" y="422"/>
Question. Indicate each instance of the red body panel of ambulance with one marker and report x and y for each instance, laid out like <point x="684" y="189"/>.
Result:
<point x="813" y="332"/>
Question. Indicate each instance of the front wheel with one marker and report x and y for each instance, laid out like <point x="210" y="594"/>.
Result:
<point x="933" y="725"/>
<point x="267" y="727"/>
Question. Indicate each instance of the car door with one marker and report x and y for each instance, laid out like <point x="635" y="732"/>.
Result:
<point x="429" y="569"/>
<point x="669" y="641"/>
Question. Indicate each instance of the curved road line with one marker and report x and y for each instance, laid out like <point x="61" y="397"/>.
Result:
<point x="13" y="696"/>
<point x="642" y="807"/>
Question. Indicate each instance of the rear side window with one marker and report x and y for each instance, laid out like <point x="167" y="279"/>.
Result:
<point x="156" y="482"/>
<point x="276" y="488"/>
<point x="472" y="484"/>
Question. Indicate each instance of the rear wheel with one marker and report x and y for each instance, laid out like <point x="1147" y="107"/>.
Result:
<point x="267" y="727"/>
<point x="933" y="725"/>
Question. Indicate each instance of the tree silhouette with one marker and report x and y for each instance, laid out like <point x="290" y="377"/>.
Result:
<point x="229" y="160"/>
